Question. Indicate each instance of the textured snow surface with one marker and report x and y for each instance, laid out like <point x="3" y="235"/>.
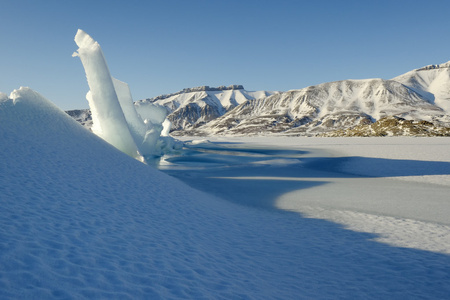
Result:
<point x="79" y="219"/>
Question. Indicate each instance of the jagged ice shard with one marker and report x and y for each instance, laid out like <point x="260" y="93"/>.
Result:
<point x="114" y="115"/>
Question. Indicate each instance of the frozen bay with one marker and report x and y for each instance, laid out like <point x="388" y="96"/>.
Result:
<point x="395" y="187"/>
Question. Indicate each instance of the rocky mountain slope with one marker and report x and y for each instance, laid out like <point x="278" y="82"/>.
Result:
<point x="82" y="116"/>
<point x="325" y="107"/>
<point x="392" y="126"/>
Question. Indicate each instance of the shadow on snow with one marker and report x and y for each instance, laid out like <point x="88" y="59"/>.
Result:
<point x="330" y="256"/>
<point x="257" y="176"/>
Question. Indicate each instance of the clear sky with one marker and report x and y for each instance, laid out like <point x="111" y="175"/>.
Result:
<point x="163" y="46"/>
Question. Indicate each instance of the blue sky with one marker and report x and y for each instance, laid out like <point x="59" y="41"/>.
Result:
<point x="160" y="47"/>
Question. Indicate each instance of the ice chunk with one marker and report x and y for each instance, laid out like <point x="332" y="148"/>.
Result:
<point x="115" y="117"/>
<point x="151" y="112"/>
<point x="107" y="115"/>
<point x="167" y="125"/>
<point x="135" y="123"/>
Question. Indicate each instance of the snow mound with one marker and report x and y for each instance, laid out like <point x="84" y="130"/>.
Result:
<point x="80" y="219"/>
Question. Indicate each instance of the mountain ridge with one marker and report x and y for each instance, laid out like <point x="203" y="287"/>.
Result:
<point x="325" y="107"/>
<point x="194" y="107"/>
<point x="196" y="89"/>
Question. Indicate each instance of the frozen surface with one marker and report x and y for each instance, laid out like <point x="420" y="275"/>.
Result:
<point x="402" y="194"/>
<point x="79" y="219"/>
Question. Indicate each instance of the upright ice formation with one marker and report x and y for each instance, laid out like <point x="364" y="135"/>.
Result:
<point x="114" y="115"/>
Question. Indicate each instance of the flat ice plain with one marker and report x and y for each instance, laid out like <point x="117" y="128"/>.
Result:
<point x="395" y="187"/>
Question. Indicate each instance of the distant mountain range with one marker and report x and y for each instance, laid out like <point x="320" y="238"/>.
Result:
<point x="191" y="108"/>
<point x="332" y="108"/>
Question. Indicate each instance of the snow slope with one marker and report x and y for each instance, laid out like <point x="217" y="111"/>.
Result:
<point x="80" y="219"/>
<point x="432" y="82"/>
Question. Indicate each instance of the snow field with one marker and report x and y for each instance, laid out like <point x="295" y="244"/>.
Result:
<point x="402" y="196"/>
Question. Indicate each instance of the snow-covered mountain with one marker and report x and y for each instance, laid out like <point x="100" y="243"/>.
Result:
<point x="193" y="107"/>
<point x="341" y="105"/>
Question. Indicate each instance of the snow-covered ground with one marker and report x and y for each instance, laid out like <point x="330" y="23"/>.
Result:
<point x="397" y="188"/>
<point x="79" y="219"/>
